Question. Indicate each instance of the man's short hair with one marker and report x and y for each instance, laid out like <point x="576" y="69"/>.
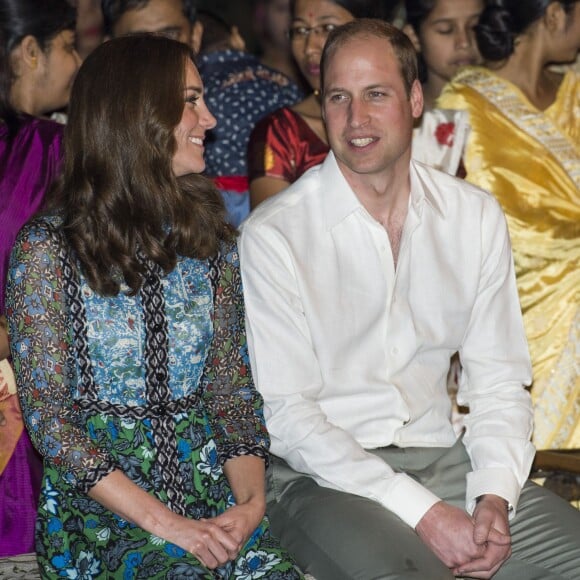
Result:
<point x="372" y="27"/>
<point x="114" y="9"/>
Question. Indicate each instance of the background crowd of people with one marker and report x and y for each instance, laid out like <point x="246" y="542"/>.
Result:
<point x="122" y="319"/>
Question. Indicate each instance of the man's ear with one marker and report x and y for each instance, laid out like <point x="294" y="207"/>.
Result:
<point x="410" y="32"/>
<point x="196" y="36"/>
<point x="416" y="99"/>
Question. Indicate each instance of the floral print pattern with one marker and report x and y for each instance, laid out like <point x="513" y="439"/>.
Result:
<point x="88" y="417"/>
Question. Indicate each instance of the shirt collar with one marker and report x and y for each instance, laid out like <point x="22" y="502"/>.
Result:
<point x="422" y="188"/>
<point x="339" y="200"/>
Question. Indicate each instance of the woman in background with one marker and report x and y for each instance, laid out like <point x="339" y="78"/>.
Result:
<point x="524" y="147"/>
<point x="129" y="343"/>
<point x="37" y="65"/>
<point x="271" y="23"/>
<point x="443" y="32"/>
<point x="291" y="140"/>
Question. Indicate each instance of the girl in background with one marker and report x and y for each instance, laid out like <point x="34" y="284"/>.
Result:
<point x="443" y="32"/>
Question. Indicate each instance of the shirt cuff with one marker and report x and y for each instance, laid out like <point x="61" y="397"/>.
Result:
<point x="408" y="499"/>
<point x="497" y="481"/>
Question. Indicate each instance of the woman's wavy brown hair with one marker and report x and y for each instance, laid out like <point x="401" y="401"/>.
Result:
<point x="118" y="194"/>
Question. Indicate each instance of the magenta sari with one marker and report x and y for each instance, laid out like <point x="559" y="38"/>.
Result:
<point x="29" y="162"/>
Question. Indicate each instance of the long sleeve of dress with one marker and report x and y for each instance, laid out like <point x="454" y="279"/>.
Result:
<point x="234" y="406"/>
<point x="41" y="347"/>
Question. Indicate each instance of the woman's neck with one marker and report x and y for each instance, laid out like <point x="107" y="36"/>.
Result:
<point x="311" y="111"/>
<point x="528" y="70"/>
<point x="22" y="99"/>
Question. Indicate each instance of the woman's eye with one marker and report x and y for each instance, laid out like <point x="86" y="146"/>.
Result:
<point x="328" y="28"/>
<point x="299" y="32"/>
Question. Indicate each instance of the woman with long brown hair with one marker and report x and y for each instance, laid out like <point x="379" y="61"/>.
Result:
<point x="127" y="330"/>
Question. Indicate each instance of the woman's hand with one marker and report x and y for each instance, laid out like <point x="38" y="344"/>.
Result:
<point x="209" y="542"/>
<point x="241" y="520"/>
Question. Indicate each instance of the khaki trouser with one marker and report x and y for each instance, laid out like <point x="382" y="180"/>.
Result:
<point x="339" y="536"/>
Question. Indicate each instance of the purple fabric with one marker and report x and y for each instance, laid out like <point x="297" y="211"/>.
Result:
<point x="28" y="165"/>
<point x="19" y="490"/>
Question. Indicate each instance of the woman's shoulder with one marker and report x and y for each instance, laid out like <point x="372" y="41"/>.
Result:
<point x="43" y="229"/>
<point x="570" y="83"/>
<point x="228" y="250"/>
<point x="282" y="117"/>
<point x="47" y="130"/>
<point x="31" y="137"/>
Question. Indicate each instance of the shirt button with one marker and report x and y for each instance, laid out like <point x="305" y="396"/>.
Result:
<point x="394" y="350"/>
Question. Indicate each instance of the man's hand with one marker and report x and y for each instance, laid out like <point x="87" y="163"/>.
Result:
<point x="451" y="535"/>
<point x="448" y="532"/>
<point x="491" y="530"/>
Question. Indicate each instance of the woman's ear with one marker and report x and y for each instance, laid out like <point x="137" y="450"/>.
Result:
<point x="27" y="54"/>
<point x="555" y="18"/>
<point x="236" y="40"/>
<point x="196" y="36"/>
<point x="410" y="32"/>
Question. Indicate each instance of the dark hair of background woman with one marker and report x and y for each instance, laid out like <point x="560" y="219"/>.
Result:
<point x="20" y="18"/>
<point x="358" y="8"/>
<point x="416" y="12"/>
<point x="113" y="10"/>
<point x="504" y="20"/>
<point x="122" y="204"/>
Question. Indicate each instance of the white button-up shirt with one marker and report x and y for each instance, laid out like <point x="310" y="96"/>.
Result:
<point x="351" y="354"/>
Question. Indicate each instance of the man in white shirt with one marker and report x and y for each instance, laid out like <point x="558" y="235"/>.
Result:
<point x="361" y="280"/>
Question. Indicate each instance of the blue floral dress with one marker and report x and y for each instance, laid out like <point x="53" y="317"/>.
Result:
<point x="157" y="385"/>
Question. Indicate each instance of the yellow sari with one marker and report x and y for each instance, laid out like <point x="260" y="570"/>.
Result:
<point x="530" y="160"/>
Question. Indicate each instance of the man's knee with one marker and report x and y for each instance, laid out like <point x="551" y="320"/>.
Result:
<point x="339" y="536"/>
